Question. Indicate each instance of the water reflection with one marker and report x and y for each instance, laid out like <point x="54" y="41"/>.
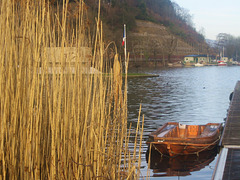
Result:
<point x="180" y="165"/>
<point x="185" y="95"/>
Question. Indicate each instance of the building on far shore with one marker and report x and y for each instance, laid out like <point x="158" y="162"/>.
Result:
<point x="225" y="59"/>
<point x="193" y="59"/>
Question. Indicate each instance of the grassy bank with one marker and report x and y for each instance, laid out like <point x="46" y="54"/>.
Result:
<point x="55" y="126"/>
<point x="134" y="75"/>
<point x="139" y="75"/>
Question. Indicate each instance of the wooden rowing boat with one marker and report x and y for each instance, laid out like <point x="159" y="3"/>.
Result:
<point x="177" y="139"/>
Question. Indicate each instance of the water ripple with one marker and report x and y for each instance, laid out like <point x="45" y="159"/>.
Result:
<point x="186" y="95"/>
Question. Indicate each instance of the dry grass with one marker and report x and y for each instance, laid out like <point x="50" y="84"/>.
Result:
<point x="59" y="125"/>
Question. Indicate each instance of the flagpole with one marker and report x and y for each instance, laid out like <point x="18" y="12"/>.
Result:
<point x="125" y="47"/>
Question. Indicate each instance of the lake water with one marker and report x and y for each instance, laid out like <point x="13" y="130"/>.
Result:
<point x="186" y="95"/>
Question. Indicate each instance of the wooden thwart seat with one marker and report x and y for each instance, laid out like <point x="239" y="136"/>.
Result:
<point x="192" y="131"/>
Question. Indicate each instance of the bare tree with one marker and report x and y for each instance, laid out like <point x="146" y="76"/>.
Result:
<point x="169" y="45"/>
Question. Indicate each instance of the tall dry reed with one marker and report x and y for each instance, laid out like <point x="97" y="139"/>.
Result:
<point x="57" y="120"/>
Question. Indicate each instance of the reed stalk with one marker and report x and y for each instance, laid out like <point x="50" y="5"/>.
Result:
<point x="58" y="120"/>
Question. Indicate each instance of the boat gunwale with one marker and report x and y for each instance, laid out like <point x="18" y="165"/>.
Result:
<point x="206" y="139"/>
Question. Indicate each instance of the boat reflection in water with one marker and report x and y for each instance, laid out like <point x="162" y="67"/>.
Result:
<point x="181" y="165"/>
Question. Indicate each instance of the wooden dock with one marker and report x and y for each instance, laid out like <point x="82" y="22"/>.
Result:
<point x="228" y="164"/>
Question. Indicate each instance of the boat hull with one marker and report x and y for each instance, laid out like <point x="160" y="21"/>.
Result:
<point x="176" y="139"/>
<point x="222" y="64"/>
<point x="199" y="65"/>
<point x="173" y="149"/>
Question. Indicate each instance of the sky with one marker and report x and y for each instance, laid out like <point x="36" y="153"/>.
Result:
<point x="214" y="16"/>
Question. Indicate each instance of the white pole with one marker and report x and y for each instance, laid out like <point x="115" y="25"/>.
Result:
<point x="223" y="52"/>
<point x="125" y="47"/>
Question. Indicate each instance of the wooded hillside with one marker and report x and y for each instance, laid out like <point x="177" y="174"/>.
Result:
<point x="173" y="34"/>
<point x="165" y="12"/>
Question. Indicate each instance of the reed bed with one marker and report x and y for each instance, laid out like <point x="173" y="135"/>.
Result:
<point x="58" y="120"/>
